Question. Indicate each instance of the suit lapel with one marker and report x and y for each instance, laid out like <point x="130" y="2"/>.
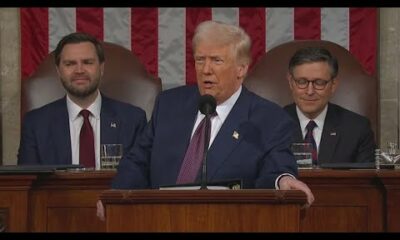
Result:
<point x="298" y="134"/>
<point x="110" y="123"/>
<point x="184" y="123"/>
<point x="330" y="136"/>
<point x="229" y="136"/>
<point x="182" y="126"/>
<point x="61" y="135"/>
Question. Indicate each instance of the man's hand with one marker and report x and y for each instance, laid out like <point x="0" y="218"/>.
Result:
<point x="290" y="183"/>
<point x="100" y="211"/>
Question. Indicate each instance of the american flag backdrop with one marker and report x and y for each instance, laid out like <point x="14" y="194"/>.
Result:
<point x="161" y="37"/>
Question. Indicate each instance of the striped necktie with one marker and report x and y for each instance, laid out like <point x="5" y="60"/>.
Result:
<point x="309" y="138"/>
<point x="194" y="153"/>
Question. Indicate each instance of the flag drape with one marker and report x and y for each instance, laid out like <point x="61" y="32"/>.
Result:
<point x="161" y="37"/>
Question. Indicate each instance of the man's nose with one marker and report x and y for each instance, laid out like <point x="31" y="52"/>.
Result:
<point x="207" y="68"/>
<point x="79" y="68"/>
<point x="310" y="88"/>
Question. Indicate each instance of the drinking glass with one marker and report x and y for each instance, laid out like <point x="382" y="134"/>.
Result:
<point x="110" y="155"/>
<point x="303" y="155"/>
<point x="393" y="152"/>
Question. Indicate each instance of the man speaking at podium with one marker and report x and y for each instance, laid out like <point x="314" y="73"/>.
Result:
<point x="249" y="138"/>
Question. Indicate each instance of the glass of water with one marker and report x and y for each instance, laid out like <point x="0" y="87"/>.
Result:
<point x="110" y="155"/>
<point x="303" y="155"/>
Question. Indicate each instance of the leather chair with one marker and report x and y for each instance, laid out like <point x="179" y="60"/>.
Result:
<point x="357" y="91"/>
<point x="125" y="79"/>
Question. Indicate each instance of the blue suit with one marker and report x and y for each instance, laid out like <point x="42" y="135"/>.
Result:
<point x="257" y="156"/>
<point x="346" y="136"/>
<point x="45" y="136"/>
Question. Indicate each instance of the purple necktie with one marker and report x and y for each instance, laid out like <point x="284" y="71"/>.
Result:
<point x="310" y="139"/>
<point x="86" y="142"/>
<point x="194" y="154"/>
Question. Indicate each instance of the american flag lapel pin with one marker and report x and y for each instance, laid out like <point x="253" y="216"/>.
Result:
<point x="113" y="125"/>
<point x="235" y="135"/>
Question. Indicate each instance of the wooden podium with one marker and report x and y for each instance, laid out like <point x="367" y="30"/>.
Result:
<point x="202" y="210"/>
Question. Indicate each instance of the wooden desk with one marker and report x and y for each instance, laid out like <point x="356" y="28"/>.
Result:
<point x="391" y="181"/>
<point x="346" y="200"/>
<point x="251" y="210"/>
<point x="14" y="194"/>
<point x="66" y="201"/>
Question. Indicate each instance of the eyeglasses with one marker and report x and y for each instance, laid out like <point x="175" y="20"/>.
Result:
<point x="318" y="84"/>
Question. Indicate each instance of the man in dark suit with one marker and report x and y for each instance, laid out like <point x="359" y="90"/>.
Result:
<point x="52" y="134"/>
<point x="339" y="135"/>
<point x="250" y="136"/>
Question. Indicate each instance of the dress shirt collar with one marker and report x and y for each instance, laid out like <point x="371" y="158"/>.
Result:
<point x="74" y="109"/>
<point x="319" y="120"/>
<point x="224" y="108"/>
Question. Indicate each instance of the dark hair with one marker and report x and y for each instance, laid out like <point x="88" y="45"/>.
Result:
<point x="78" y="37"/>
<point x="311" y="55"/>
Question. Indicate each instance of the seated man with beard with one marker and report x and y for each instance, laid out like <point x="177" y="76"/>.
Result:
<point x="70" y="130"/>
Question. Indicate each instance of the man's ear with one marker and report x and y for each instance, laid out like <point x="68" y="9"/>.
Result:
<point x="289" y="78"/>
<point x="101" y="69"/>
<point x="242" y="70"/>
<point x="335" y="84"/>
<point x="58" y="71"/>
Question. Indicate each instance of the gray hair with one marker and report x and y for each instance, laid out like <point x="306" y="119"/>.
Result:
<point x="225" y="34"/>
<point x="311" y="55"/>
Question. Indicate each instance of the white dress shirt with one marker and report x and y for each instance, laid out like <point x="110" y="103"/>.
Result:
<point x="319" y="120"/>
<point x="317" y="131"/>
<point x="222" y="110"/>
<point x="75" y="125"/>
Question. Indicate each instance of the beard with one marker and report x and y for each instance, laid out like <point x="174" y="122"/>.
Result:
<point x="81" y="92"/>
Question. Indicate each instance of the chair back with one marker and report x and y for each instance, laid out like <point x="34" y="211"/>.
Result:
<point x="125" y="78"/>
<point x="357" y="91"/>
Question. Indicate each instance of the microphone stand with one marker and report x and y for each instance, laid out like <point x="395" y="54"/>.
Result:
<point x="205" y="150"/>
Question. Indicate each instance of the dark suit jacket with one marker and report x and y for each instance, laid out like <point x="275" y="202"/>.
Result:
<point x="259" y="155"/>
<point x="45" y="136"/>
<point x="346" y="136"/>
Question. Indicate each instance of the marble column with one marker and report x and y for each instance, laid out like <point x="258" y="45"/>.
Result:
<point x="10" y="87"/>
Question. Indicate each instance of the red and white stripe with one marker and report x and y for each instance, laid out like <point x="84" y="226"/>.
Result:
<point x="161" y="37"/>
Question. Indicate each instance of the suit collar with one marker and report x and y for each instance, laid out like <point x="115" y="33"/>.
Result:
<point x="109" y="130"/>
<point x="189" y="115"/>
<point x="225" y="108"/>
<point x="229" y="136"/>
<point x="109" y="121"/>
<point x="298" y="135"/>
<point x="183" y="123"/>
<point x="60" y="132"/>
<point x="74" y="109"/>
<point x="304" y="120"/>
<point x="330" y="135"/>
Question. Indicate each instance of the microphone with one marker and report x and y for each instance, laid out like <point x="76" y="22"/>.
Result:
<point x="207" y="106"/>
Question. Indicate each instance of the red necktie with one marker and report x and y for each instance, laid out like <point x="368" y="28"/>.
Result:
<point x="309" y="138"/>
<point x="86" y="142"/>
<point x="194" y="154"/>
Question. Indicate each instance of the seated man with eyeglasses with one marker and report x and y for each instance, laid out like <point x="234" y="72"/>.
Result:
<point x="336" y="134"/>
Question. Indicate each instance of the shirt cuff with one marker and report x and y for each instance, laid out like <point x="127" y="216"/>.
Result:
<point x="279" y="177"/>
